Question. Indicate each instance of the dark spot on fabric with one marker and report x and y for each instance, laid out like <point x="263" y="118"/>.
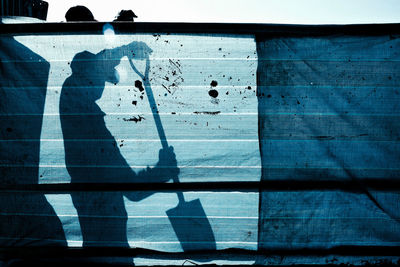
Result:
<point x="269" y="96"/>
<point x="9" y="130"/>
<point x="207" y="112"/>
<point x="134" y="102"/>
<point x="214" y="83"/>
<point x="249" y="87"/>
<point x="139" y="85"/>
<point x="324" y="137"/>
<point x="213" y="93"/>
<point x="135" y="119"/>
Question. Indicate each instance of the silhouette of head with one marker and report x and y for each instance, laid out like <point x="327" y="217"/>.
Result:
<point x="126" y="15"/>
<point x="79" y="13"/>
<point x="83" y="63"/>
<point x="90" y="67"/>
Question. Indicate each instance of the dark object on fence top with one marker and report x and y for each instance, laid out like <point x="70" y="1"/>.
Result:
<point x="126" y="15"/>
<point x="25" y="8"/>
<point x="79" y="13"/>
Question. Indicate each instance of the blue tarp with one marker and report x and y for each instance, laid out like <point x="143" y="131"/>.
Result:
<point x="310" y="121"/>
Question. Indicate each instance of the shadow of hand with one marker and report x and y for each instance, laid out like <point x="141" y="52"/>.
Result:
<point x="138" y="50"/>
<point x="165" y="170"/>
<point x="166" y="166"/>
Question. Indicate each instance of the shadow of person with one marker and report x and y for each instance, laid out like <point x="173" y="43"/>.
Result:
<point x="27" y="219"/>
<point x="91" y="152"/>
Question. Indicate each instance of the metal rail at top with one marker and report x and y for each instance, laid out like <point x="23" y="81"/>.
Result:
<point x="199" y="28"/>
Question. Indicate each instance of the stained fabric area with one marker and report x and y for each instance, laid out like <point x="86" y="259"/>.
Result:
<point x="266" y="145"/>
<point x="88" y="116"/>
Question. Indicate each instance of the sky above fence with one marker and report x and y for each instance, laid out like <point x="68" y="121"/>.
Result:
<point x="240" y="11"/>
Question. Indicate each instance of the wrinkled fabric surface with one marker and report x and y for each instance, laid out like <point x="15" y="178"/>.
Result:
<point x="235" y="108"/>
<point x="329" y="109"/>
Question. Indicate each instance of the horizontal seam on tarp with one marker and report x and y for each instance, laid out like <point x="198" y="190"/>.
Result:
<point x="350" y="250"/>
<point x="263" y="186"/>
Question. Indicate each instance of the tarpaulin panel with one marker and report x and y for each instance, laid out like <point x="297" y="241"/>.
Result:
<point x="117" y="221"/>
<point x="204" y="88"/>
<point x="329" y="111"/>
<point x="99" y="127"/>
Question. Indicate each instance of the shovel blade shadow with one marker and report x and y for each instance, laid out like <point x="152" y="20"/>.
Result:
<point x="191" y="226"/>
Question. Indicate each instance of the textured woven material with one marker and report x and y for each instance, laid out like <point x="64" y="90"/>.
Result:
<point x="329" y="109"/>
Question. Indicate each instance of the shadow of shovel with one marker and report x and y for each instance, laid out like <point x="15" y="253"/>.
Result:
<point x="188" y="218"/>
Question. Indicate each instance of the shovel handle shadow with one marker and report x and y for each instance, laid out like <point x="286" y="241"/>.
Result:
<point x="188" y="219"/>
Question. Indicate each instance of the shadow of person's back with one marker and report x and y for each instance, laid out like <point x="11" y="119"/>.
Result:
<point x="91" y="153"/>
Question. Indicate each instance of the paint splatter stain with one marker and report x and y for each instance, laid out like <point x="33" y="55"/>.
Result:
<point x="135" y="119"/>
<point x="214" y="83"/>
<point x="213" y="93"/>
<point x="207" y="112"/>
<point x="139" y="85"/>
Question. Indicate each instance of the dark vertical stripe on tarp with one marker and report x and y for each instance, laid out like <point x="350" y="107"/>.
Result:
<point x="18" y="226"/>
